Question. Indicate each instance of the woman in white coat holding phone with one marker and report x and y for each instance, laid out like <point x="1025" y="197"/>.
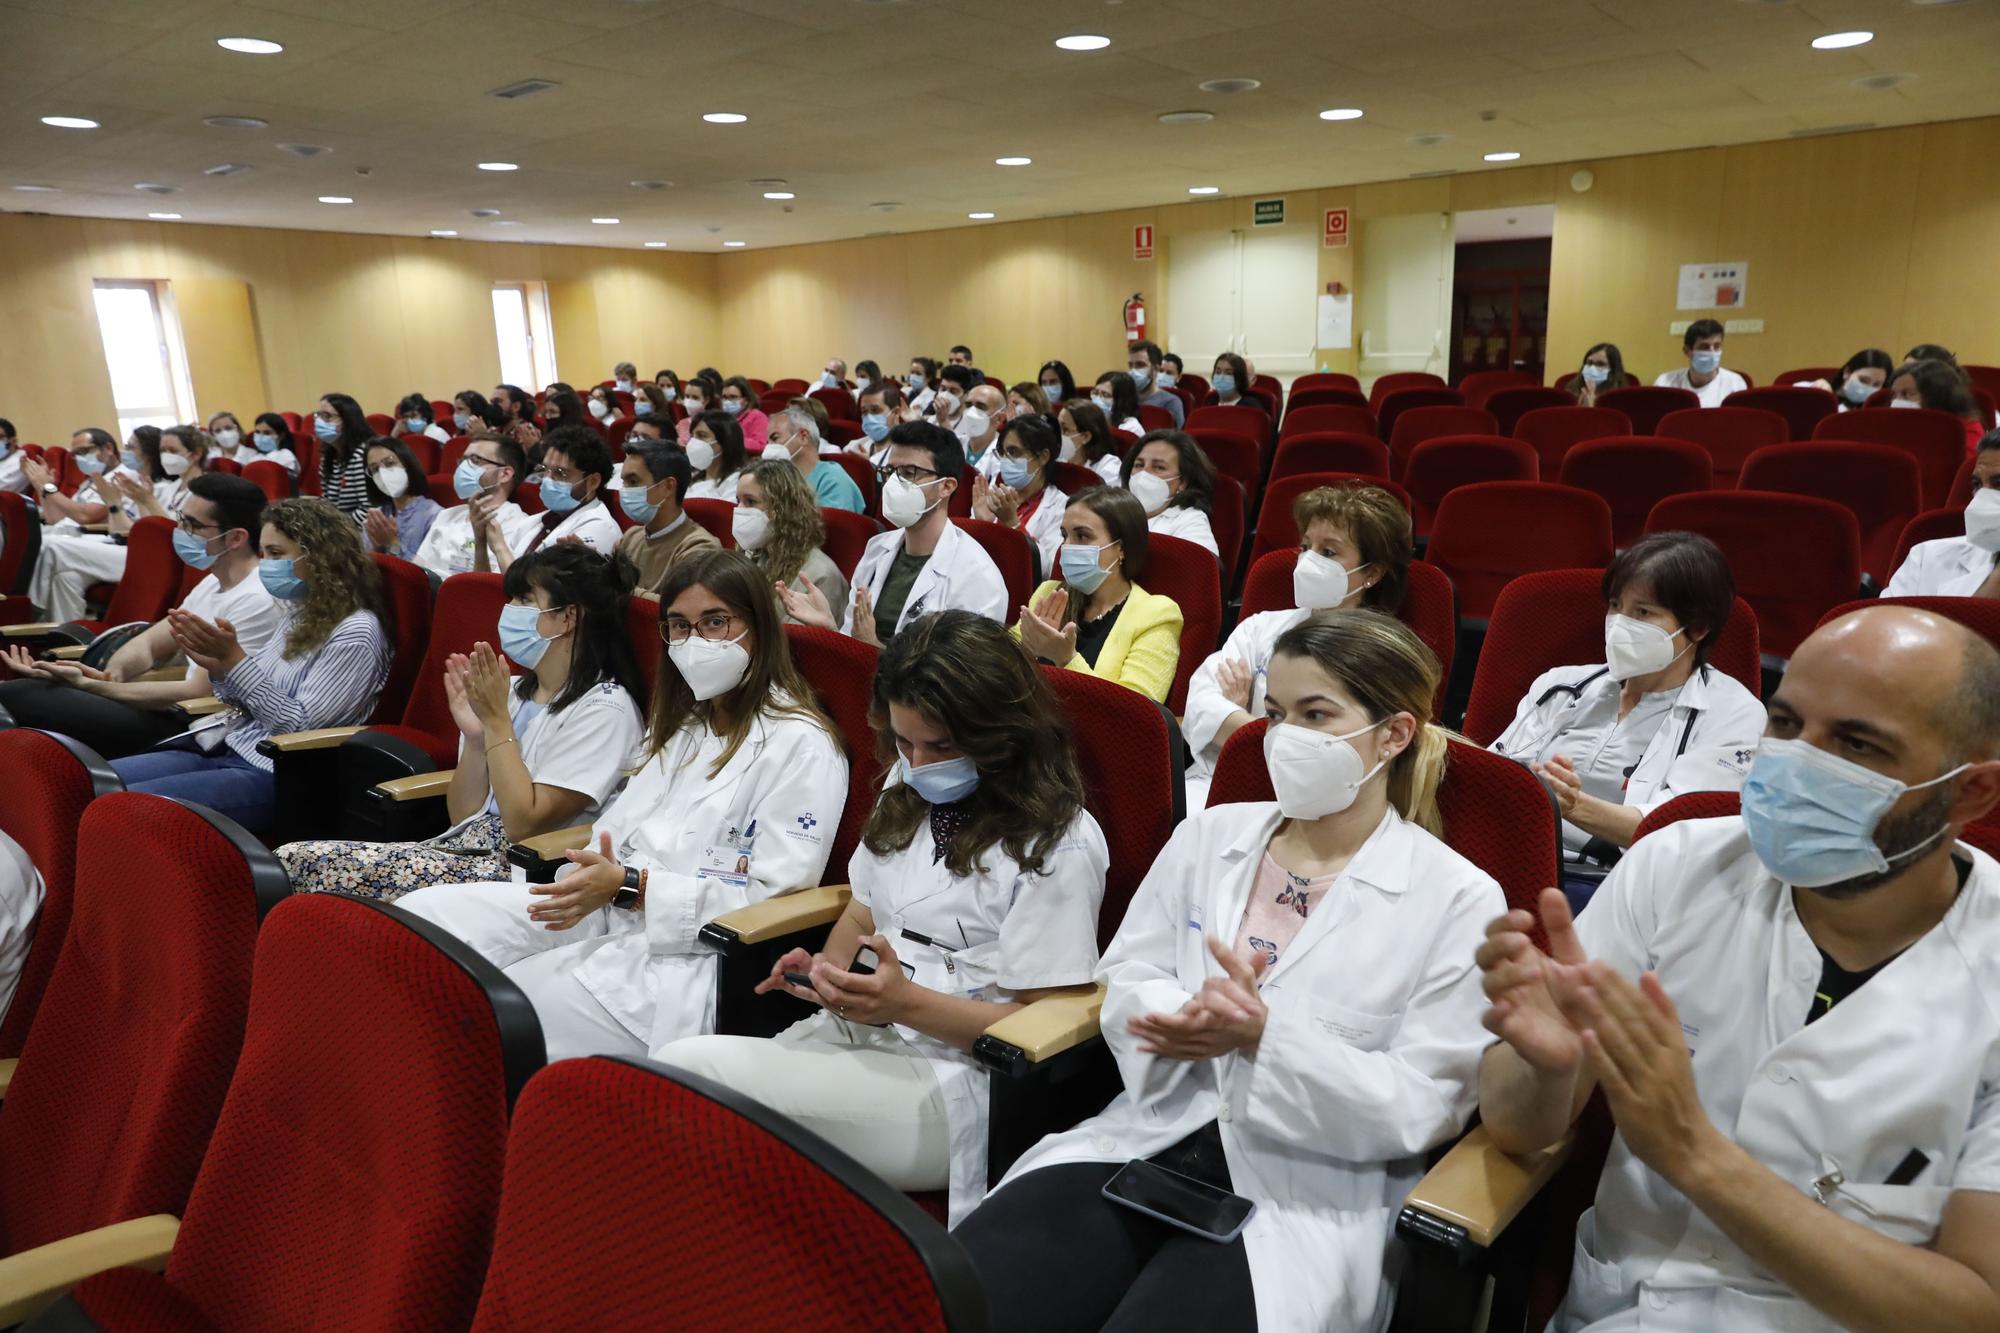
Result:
<point x="740" y="791"/>
<point x="976" y="891"/>
<point x="1295" y="1013"/>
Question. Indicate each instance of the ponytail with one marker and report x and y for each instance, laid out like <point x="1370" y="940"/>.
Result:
<point x="1415" y="775"/>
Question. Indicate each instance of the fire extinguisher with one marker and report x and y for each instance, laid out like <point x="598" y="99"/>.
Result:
<point x="1135" y="318"/>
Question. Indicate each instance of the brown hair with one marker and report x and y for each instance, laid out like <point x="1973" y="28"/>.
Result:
<point x="1125" y="519"/>
<point x="340" y="578"/>
<point x="1378" y="525"/>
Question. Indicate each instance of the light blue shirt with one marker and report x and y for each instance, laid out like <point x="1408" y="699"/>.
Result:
<point x="835" y="489"/>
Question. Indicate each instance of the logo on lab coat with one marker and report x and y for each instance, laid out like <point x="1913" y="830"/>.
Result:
<point x="804" y="830"/>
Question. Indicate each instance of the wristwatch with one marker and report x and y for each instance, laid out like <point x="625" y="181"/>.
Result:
<point x="49" y="488"/>
<point x="632" y="892"/>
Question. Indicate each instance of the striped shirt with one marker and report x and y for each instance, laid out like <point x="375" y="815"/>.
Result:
<point x="334" y="685"/>
<point x="347" y="489"/>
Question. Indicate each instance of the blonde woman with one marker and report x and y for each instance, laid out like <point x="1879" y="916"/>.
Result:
<point x="778" y="525"/>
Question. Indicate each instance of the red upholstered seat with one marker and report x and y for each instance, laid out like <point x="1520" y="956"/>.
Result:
<point x="1304" y="400"/>
<point x="1323" y="379"/>
<point x="1935" y="439"/>
<point x="20" y="542"/>
<point x="1802" y="409"/>
<point x="131" y="1051"/>
<point x="1440" y="466"/>
<point x="56" y="778"/>
<point x="1228" y="520"/>
<point x="1483" y="384"/>
<point x="716" y="516"/>
<point x="1277" y="530"/>
<point x="1807" y="374"/>
<point x="841" y="671"/>
<point x="839" y="403"/>
<point x="862" y="473"/>
<point x="1508" y="406"/>
<point x="152" y="578"/>
<point x="1877" y="483"/>
<point x="1632" y="473"/>
<point x="1397" y="381"/>
<point x="1419" y="424"/>
<point x="1494" y="531"/>
<point x="1155" y="418"/>
<point x="1233" y="454"/>
<point x="642" y="631"/>
<point x="1554" y="431"/>
<point x="1389" y="408"/>
<point x="1251" y="422"/>
<point x="1929" y="526"/>
<point x="1331" y="451"/>
<point x="1328" y="410"/>
<point x="1189" y="574"/>
<point x="1428" y="604"/>
<point x="353" y="1180"/>
<point x="1017" y="557"/>
<point x="1694" y="805"/>
<point x="1764" y="535"/>
<point x="1646" y="404"/>
<point x="1976" y="613"/>
<point x="1556" y="618"/>
<point x="847" y="536"/>
<point x="1729" y="434"/>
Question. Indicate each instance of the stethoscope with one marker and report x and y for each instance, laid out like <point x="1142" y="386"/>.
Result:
<point x="1576" y="696"/>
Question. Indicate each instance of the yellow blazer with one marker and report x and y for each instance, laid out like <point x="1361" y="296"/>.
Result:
<point x="1144" y="649"/>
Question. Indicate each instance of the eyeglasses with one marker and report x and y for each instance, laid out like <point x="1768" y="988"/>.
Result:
<point x="191" y="528"/>
<point x="477" y="461"/>
<point x="909" y="472"/>
<point x="714" y="625"/>
<point x="561" y="476"/>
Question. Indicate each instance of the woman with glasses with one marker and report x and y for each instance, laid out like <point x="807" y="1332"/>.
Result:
<point x="736" y="800"/>
<point x="396" y="483"/>
<point x="536" y="754"/>
<point x="343" y="432"/>
<point x="777" y="524"/>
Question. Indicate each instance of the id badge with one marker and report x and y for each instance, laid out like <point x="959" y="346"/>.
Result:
<point x="728" y="858"/>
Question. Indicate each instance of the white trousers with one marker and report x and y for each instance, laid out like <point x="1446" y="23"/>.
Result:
<point x="20" y="905"/>
<point x="862" y="1089"/>
<point x="68" y="564"/>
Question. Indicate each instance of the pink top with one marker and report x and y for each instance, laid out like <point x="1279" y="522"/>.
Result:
<point x="1280" y="902"/>
<point x="756" y="429"/>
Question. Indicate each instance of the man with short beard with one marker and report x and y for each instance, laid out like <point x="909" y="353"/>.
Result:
<point x="1793" y="1014"/>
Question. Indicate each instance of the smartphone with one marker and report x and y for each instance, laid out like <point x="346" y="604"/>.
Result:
<point x="800" y="980"/>
<point x="1180" y="1201"/>
<point x="865" y="961"/>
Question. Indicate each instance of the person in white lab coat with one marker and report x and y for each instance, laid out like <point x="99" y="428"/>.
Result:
<point x="1354" y="550"/>
<point x="737" y="800"/>
<point x="1019" y="494"/>
<point x="469" y="537"/>
<point x="1704" y="373"/>
<point x="576" y="467"/>
<point x="1294" y="1010"/>
<point x="1088" y="440"/>
<point x="976" y="889"/>
<point x="927" y="564"/>
<point x="1794" y="1015"/>
<point x="1967" y="566"/>
<point x="12" y="478"/>
<point x="1173" y="479"/>
<point x="1614" y="740"/>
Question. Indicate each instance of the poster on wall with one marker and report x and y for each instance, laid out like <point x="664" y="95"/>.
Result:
<point x="1336" y="321"/>
<point x="1142" y="241"/>
<point x="1712" y="286"/>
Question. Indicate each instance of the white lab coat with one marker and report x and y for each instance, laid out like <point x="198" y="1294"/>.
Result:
<point x="590" y="524"/>
<point x="450" y="548"/>
<point x="1251" y="643"/>
<point x="959" y="576"/>
<point x="1705" y="744"/>
<point x="1947" y="567"/>
<point x="1187" y="523"/>
<point x="1044" y="529"/>
<point x="1911" y="1060"/>
<point x="1370" y="1054"/>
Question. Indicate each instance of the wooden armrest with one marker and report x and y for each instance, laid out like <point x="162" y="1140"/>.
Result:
<point x="551" y="846"/>
<point x="7" y="1068"/>
<point x="1035" y="1032"/>
<point x="325" y="738"/>
<point x="201" y="707"/>
<point x="1475" y="1190"/>
<point x="786" y="914"/>
<point x="418" y="786"/>
<point x="95" y="527"/>
<point x="69" y="652"/>
<point x="33" y="1280"/>
<point x="165" y="673"/>
<point x="38" y="629"/>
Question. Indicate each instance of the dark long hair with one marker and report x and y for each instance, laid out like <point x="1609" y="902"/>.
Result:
<point x="728" y="435"/>
<point x="963" y="673"/>
<point x="1124" y="395"/>
<point x="576" y="576"/>
<point x="420" y="485"/>
<point x="1067" y="380"/>
<point x="355" y="432"/>
<point x="1615" y="380"/>
<point x="1197" y="473"/>
<point x="1089" y="418"/>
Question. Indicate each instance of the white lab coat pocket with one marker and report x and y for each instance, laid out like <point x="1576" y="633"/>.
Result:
<point x="1596" y="1289"/>
<point x="1361" y="1030"/>
<point x="1908" y="1213"/>
<point x="1767" y="1313"/>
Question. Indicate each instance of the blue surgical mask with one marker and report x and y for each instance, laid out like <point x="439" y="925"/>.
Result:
<point x="942" y="783"/>
<point x="557" y="497"/>
<point x="1140" y="378"/>
<point x="462" y="420"/>
<point x="915" y="381"/>
<point x="1080" y="567"/>
<point x="1811" y="816"/>
<point x="519" y="637"/>
<point x="129" y="458"/>
<point x="875" y="425"/>
<point x="415" y="425"/>
<point x="637" y="507"/>
<point x="642" y="407"/>
<point x="1856" y="391"/>
<point x="1224" y="384"/>
<point x="5" y="449"/>
<point x="193" y="550"/>
<point x="732" y="405"/>
<point x="1595" y="374"/>
<point x="1052" y="392"/>
<point x="90" y="465"/>
<point x="265" y="442"/>
<point x="1705" y="363"/>
<point x="280" y="581"/>
<point x="828" y="380"/>
<point x="1014" y="472"/>
<point x="465" y="478"/>
<point x="328" y="431"/>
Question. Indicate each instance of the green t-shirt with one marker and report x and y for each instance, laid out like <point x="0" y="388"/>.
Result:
<point x="896" y="591"/>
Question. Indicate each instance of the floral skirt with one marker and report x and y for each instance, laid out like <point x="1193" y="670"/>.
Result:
<point x="472" y="852"/>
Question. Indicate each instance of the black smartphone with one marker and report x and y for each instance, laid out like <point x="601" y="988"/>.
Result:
<point x="1180" y="1201"/>
<point x="800" y="980"/>
<point x="864" y="962"/>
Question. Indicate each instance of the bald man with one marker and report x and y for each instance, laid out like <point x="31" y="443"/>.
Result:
<point x="979" y="426"/>
<point x="1794" y="1015"/>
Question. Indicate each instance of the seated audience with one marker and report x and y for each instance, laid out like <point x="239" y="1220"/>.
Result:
<point x="416" y="416"/>
<point x="649" y="400"/>
<point x="96" y="455"/>
<point x="921" y="383"/>
<point x="1026" y="399"/>
<point x="881" y="405"/>
<point x="1778" y="1165"/>
<point x="976" y="891"/>
<point x="832" y="376"/>
<point x="322" y="667"/>
<point x="227" y="432"/>
<point x="1019" y="494"/>
<point x="739" y="400"/>
<point x="777" y="524"/>
<point x="1942" y="387"/>
<point x="114" y="709"/>
<point x="625" y="377"/>
<point x="978" y="428"/>
<point x="1118" y="401"/>
<point x="1173" y="481"/>
<point x="470" y="535"/>
<point x="1354" y="550"/>
<point x="602" y="406"/>
<point x="404" y="509"/>
<point x="651" y="481"/>
<point x="20" y="906"/>
<point x="1171" y="370"/>
<point x="1703" y="373"/>
<point x="1294" y="1010"/>
<point x="12" y="478"/>
<point x="794" y="436"/>
<point x="562" y="406"/>
<point x="1603" y="370"/>
<point x="1058" y="384"/>
<point x="1967" y="566"/>
<point x="512" y="413"/>
<point x="715" y="452"/>
<point x="736" y="800"/>
<point x="668" y="384"/>
<point x="343" y="432"/>
<point x="1231" y="381"/>
<point x="271" y="439"/>
<point x="867" y="374"/>
<point x="542" y="755"/>
<point x="1858" y="378"/>
<point x="1094" y="616"/>
<point x="1143" y="365"/>
<point x="575" y="468"/>
<point x="69" y="565"/>
<point x="1088" y="441"/>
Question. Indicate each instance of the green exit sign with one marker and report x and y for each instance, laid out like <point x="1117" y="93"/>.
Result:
<point x="1267" y="213"/>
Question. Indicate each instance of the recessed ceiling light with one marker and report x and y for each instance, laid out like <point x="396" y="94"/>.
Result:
<point x="884" y="206"/>
<point x="335" y="199"/>
<point x="249" y="46"/>
<point x="1341" y="113"/>
<point x="443" y="231"/>
<point x="656" y="245"/>
<point x="226" y="169"/>
<point x="499" y="166"/>
<point x="1185" y="117"/>
<point x="235" y="122"/>
<point x="735" y="245"/>
<point x="485" y="212"/>
<point x="724" y="117"/>
<point x="1083" y="41"/>
<point x="1428" y="140"/>
<point x="605" y="222"/>
<point x="1204" y="189"/>
<point x="1227" y="86"/>
<point x="164" y="217"/>
<point x="1835" y="41"/>
<point x="1878" y="82"/>
<point x="1012" y="161"/>
<point x="779" y="194"/>
<point x="651" y="185"/>
<point x="150" y="188"/>
<point x="39" y="189"/>
<point x="304" y="149"/>
<point x="69" y="122"/>
<point x="1502" y="157"/>
<point x="979" y="217"/>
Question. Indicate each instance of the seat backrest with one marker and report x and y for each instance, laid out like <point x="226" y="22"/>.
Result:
<point x="1069" y="478"/>
<point x="642" y="631"/>
<point x="22" y="533"/>
<point x="1492" y="532"/>
<point x="1802" y="409"/>
<point x="1936" y="439"/>
<point x="1228" y="521"/>
<point x="1929" y="526"/>
<point x="1324" y="379"/>
<point x="1429" y="605"/>
<point x="1807" y="374"/>
<point x="1012" y="552"/>
<point x="1418" y="424"/>
<point x="717" y="516"/>
<point x="1129" y="752"/>
<point x="1645" y="404"/>
<point x="613" y="1156"/>
<point x="1763" y="535"/>
<point x="841" y="670"/>
<point x="839" y="403"/>
<point x="1635" y="472"/>
<point x="1508" y="406"/>
<point x="271" y="478"/>
<point x="862" y="473"/>
<point x="1278" y="530"/>
<point x="1729" y="434"/>
<point x="1483" y="384"/>
<point x="1391" y="406"/>
<point x="843" y="431"/>
<point x="1556" y="618"/>
<point x="467" y="611"/>
<point x="1876" y="482"/>
<point x="130" y="1054"/>
<point x="1187" y="573"/>
<point x="1693" y="805"/>
<point x="1398" y="380"/>
<point x="847" y="536"/>
<point x="1981" y="614"/>
<point x="1326" y="396"/>
<point x="1234" y="454"/>
<point x="1328" y="409"/>
<point x="1331" y="451"/>
<point x="1253" y="423"/>
<point x="1155" y="418"/>
<point x="152" y="578"/>
<point x="1554" y="431"/>
<point x="406" y="590"/>
<point x="1441" y="465"/>
<point x="57" y="778"/>
<point x="360" y="1152"/>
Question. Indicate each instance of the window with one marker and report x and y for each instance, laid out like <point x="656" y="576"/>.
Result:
<point x="521" y="322"/>
<point x="144" y="353"/>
